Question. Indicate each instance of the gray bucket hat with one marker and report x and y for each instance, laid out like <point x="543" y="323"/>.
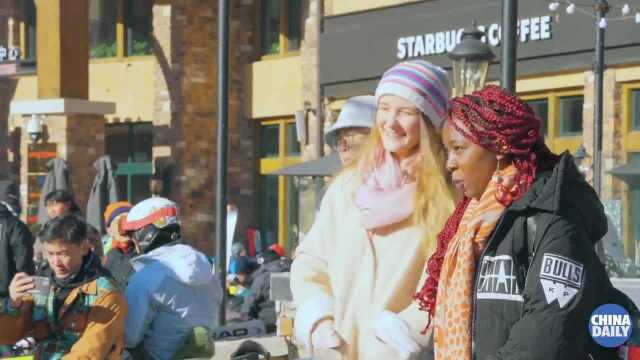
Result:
<point x="357" y="112"/>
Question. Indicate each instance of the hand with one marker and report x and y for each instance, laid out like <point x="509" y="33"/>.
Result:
<point x="324" y="336"/>
<point x="394" y="331"/>
<point x="19" y="287"/>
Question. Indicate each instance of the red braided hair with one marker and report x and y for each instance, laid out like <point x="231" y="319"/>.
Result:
<point x="504" y="124"/>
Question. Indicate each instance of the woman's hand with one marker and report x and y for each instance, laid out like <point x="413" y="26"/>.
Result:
<point x="324" y="336"/>
<point x="394" y="331"/>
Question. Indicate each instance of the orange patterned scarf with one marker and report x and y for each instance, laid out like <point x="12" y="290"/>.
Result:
<point x="453" y="317"/>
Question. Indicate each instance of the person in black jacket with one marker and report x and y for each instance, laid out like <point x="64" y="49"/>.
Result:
<point x="258" y="304"/>
<point x="535" y="278"/>
<point x="16" y="241"/>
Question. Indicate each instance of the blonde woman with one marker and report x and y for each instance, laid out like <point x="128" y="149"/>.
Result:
<point x="356" y="273"/>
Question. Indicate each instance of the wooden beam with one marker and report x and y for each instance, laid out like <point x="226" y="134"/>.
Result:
<point x="63" y="49"/>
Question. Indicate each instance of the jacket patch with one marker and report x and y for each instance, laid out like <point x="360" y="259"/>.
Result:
<point x="561" y="278"/>
<point x="497" y="279"/>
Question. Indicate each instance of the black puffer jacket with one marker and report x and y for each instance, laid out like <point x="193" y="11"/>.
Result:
<point x="257" y="305"/>
<point x="16" y="249"/>
<point x="536" y="304"/>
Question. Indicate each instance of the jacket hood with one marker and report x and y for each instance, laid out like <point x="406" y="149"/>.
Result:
<point x="185" y="264"/>
<point x="564" y="189"/>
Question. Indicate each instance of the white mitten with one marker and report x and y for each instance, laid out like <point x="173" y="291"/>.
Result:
<point x="394" y="331"/>
<point x="324" y="336"/>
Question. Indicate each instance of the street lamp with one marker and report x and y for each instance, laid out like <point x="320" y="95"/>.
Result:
<point x="601" y="8"/>
<point x="470" y="59"/>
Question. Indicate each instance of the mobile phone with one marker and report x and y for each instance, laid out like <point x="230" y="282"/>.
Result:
<point x="42" y="285"/>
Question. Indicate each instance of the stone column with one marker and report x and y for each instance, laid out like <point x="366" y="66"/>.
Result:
<point x="612" y="152"/>
<point x="63" y="49"/>
<point x="310" y="63"/>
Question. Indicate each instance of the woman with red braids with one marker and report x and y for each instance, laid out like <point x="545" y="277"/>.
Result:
<point x="514" y="275"/>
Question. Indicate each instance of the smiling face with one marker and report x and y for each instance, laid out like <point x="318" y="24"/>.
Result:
<point x="471" y="165"/>
<point x="398" y="121"/>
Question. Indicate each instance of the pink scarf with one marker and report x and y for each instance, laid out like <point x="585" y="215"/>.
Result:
<point x="386" y="195"/>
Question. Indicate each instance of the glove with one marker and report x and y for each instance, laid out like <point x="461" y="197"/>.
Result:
<point x="324" y="336"/>
<point x="394" y="331"/>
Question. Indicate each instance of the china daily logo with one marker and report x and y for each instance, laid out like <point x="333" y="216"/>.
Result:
<point x="610" y="325"/>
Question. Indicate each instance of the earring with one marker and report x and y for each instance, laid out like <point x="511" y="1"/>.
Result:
<point x="505" y="194"/>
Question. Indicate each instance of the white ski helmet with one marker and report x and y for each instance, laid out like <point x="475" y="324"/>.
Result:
<point x="153" y="219"/>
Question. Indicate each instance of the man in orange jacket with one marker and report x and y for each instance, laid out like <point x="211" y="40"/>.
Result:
<point x="73" y="309"/>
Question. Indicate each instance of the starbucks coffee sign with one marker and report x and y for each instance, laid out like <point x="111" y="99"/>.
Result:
<point x="442" y="42"/>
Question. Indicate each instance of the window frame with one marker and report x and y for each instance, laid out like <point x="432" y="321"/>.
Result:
<point x="269" y="165"/>
<point x="284" y="31"/>
<point x="554" y="139"/>
<point x="631" y="144"/>
<point x="631" y="136"/>
<point x="124" y="31"/>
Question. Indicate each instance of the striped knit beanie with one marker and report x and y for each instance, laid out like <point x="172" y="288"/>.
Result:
<point x="424" y="84"/>
<point x="115" y="209"/>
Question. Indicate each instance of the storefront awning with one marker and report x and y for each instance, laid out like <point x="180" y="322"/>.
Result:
<point x="325" y="166"/>
<point x="629" y="173"/>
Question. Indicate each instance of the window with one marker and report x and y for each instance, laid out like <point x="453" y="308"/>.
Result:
<point x="571" y="115"/>
<point x="281" y="26"/>
<point x="270" y="27"/>
<point x="268" y="204"/>
<point x="635" y="109"/>
<point x="103" y="15"/>
<point x="292" y="213"/>
<point x="293" y="146"/>
<point x="561" y="114"/>
<point x="278" y="207"/>
<point x="270" y="141"/>
<point x="294" y="30"/>
<point x="139" y="20"/>
<point x="541" y="108"/>
<point x="130" y="148"/>
<point x="28" y="29"/>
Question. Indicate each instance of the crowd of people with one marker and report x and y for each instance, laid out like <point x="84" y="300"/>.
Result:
<point x="137" y="292"/>
<point x="440" y="238"/>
